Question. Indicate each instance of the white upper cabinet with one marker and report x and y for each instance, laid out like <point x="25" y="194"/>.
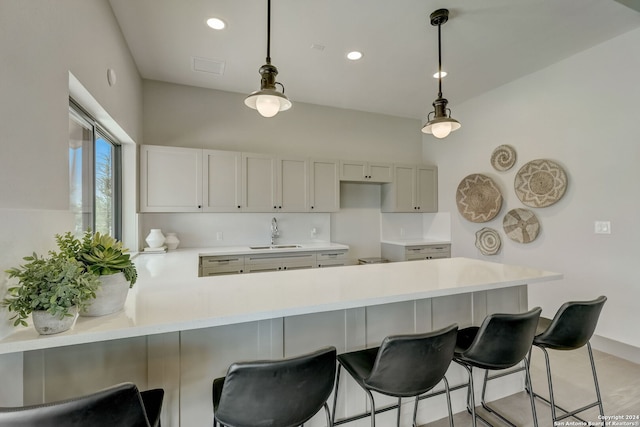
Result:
<point x="170" y="179"/>
<point x="365" y="171"/>
<point x="259" y="182"/>
<point x="324" y="186"/>
<point x="414" y="189"/>
<point x="292" y="187"/>
<point x="222" y="181"/>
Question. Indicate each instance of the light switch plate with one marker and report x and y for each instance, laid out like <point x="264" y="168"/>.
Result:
<point x="602" y="227"/>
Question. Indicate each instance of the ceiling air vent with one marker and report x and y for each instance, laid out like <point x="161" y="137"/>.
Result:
<point x="212" y="66"/>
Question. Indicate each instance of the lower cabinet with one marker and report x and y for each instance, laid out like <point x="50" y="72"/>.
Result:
<point x="278" y="262"/>
<point x="219" y="265"/>
<point x="236" y="264"/>
<point x="332" y="258"/>
<point x="394" y="252"/>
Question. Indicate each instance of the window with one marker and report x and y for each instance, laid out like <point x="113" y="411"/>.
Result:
<point x="94" y="175"/>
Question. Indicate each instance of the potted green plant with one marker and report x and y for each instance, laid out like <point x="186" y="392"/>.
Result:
<point x="105" y="257"/>
<point x="52" y="289"/>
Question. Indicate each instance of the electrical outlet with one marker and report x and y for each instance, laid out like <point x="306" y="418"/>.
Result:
<point x="602" y="227"/>
<point x="219" y="235"/>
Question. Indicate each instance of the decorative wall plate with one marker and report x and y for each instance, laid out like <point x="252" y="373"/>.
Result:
<point x="478" y="198"/>
<point x="521" y="225"/>
<point x="540" y="183"/>
<point x="488" y="241"/>
<point x="503" y="158"/>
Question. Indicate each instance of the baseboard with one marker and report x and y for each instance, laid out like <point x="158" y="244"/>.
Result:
<point x="616" y="348"/>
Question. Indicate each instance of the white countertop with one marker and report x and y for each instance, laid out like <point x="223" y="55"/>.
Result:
<point x="416" y="242"/>
<point x="169" y="295"/>
<point x="245" y="250"/>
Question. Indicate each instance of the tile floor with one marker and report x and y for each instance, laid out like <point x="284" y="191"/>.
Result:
<point x="573" y="387"/>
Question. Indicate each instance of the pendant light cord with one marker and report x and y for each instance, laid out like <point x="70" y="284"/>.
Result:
<point x="439" y="64"/>
<point x="268" y="31"/>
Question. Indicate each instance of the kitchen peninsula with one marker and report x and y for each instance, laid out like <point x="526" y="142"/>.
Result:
<point x="179" y="331"/>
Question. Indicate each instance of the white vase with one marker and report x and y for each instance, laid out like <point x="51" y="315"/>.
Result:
<point x="155" y="238"/>
<point x="47" y="324"/>
<point x="172" y="241"/>
<point x="110" y="296"/>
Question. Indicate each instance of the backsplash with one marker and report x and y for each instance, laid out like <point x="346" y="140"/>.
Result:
<point x="233" y="229"/>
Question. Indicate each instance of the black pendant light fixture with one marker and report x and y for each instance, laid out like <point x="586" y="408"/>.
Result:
<point x="440" y="124"/>
<point x="268" y="101"/>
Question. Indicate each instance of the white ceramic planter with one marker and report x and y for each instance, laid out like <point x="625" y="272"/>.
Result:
<point x="47" y="324"/>
<point x="110" y="296"/>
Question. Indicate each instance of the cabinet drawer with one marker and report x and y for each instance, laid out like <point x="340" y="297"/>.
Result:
<point x="338" y="255"/>
<point x="218" y="271"/>
<point x="294" y="257"/>
<point x="434" y="250"/>
<point x="221" y="261"/>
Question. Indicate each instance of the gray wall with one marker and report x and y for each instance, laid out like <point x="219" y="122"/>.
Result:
<point x="186" y="116"/>
<point x="582" y="113"/>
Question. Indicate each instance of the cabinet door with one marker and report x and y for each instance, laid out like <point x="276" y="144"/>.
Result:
<point x="293" y="185"/>
<point x="380" y="172"/>
<point x="170" y="179"/>
<point x="427" y="188"/>
<point x="324" y="186"/>
<point x="258" y="183"/>
<point x="404" y="188"/>
<point x="222" y="181"/>
<point x="353" y="170"/>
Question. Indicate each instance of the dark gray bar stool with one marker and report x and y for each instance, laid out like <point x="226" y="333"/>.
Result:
<point x="121" y="405"/>
<point x="403" y="366"/>
<point x="501" y="342"/>
<point x="275" y="393"/>
<point x="571" y="328"/>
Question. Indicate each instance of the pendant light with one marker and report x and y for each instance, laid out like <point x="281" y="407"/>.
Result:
<point x="441" y="124"/>
<point x="268" y="101"/>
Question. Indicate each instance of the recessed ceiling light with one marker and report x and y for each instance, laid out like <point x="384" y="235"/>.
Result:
<point x="436" y="75"/>
<point x="354" y="55"/>
<point x="216" y="23"/>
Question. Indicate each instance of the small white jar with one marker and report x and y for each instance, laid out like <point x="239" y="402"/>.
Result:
<point x="155" y="239"/>
<point x="172" y="241"/>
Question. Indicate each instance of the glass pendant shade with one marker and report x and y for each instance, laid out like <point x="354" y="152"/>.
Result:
<point x="268" y="102"/>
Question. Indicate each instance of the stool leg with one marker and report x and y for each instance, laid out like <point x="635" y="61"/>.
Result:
<point x="373" y="408"/>
<point x="335" y="394"/>
<point x="327" y="415"/>
<point x="446" y="388"/>
<point x="415" y="411"/>
<point x="531" y="396"/>
<point x="550" y="383"/>
<point x="471" y="402"/>
<point x="398" y="417"/>
<point x="595" y="380"/>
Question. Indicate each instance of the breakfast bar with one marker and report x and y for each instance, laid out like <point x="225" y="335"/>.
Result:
<point x="179" y="331"/>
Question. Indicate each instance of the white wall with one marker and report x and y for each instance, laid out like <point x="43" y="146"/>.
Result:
<point x="186" y="116"/>
<point x="41" y="43"/>
<point x="582" y="113"/>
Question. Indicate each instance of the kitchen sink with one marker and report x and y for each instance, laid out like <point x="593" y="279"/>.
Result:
<point x="275" y="247"/>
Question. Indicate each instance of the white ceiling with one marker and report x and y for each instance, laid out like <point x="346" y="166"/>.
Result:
<point x="485" y="44"/>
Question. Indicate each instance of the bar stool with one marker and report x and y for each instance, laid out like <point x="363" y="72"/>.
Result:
<point x="275" y="393"/>
<point x="501" y="342"/>
<point x="571" y="328"/>
<point x="403" y="366"/>
<point x="121" y="405"/>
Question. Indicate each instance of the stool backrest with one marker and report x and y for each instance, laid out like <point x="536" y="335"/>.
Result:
<point x="573" y="325"/>
<point x="277" y="393"/>
<point x="120" y="405"/>
<point x="503" y="340"/>
<point x="408" y="365"/>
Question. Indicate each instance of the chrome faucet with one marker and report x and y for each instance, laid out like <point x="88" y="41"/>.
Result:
<point x="274" y="229"/>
